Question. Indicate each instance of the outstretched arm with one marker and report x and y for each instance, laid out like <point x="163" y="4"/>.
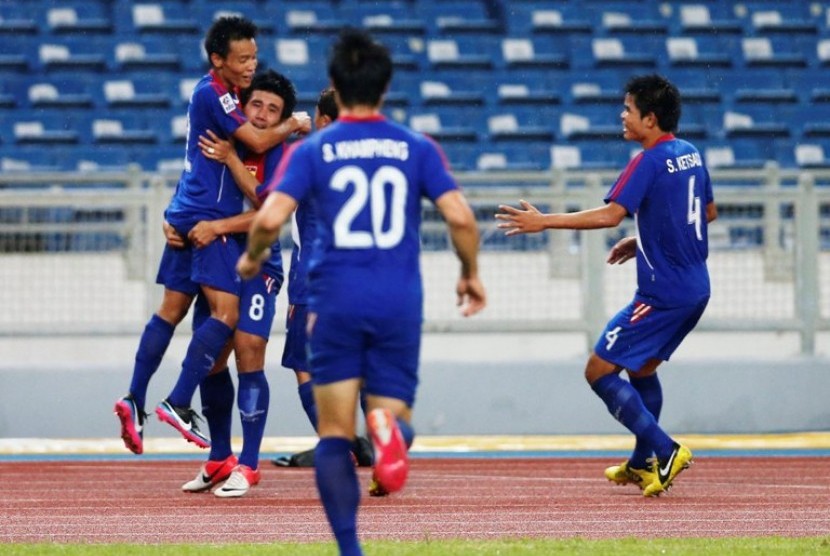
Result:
<point x="529" y="219"/>
<point x="465" y="238"/>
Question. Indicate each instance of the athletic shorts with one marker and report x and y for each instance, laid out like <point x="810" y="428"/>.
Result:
<point x="294" y="354"/>
<point x="257" y="306"/>
<point x="214" y="265"/>
<point x="383" y="352"/>
<point x="174" y="271"/>
<point x="641" y="332"/>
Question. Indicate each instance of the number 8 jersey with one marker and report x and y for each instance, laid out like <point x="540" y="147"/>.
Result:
<point x="666" y="188"/>
<point x="365" y="179"/>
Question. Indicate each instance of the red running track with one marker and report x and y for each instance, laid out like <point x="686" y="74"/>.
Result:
<point x="140" y="502"/>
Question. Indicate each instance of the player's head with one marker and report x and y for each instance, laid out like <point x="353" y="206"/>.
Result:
<point x="359" y="68"/>
<point x="230" y="45"/>
<point x="326" y="110"/>
<point x="657" y="96"/>
<point x="269" y="100"/>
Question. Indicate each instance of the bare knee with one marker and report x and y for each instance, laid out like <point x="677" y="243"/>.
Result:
<point x="597" y="367"/>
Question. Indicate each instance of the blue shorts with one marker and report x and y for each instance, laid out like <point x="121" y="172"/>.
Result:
<point x="294" y="355"/>
<point x="215" y="265"/>
<point x="641" y="332"/>
<point x="383" y="352"/>
<point x="174" y="271"/>
<point x="257" y="306"/>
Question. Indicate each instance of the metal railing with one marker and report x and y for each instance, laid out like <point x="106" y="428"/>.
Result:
<point x="79" y="253"/>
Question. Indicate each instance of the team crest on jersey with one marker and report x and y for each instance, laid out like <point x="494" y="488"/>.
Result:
<point x="228" y="103"/>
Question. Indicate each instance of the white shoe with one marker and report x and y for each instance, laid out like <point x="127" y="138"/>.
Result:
<point x="239" y="483"/>
<point x="211" y="474"/>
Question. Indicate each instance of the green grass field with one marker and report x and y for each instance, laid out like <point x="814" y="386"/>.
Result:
<point x="697" y="547"/>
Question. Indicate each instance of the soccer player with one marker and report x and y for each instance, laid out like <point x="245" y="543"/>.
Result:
<point x="294" y="352"/>
<point x="204" y="192"/>
<point x="367" y="177"/>
<point x="666" y="188"/>
<point x="269" y="100"/>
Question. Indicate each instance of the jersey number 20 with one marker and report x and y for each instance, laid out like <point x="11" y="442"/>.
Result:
<point x="371" y="191"/>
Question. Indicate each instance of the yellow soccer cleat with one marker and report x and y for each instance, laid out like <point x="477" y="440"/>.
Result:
<point x="623" y="474"/>
<point x="666" y="470"/>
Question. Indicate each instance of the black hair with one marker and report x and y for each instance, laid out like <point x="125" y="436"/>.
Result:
<point x="359" y="68"/>
<point x="656" y="94"/>
<point x="327" y="105"/>
<point x="225" y="30"/>
<point x="272" y="82"/>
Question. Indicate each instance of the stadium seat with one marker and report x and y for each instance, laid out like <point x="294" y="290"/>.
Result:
<point x="146" y="55"/>
<point x="634" y="19"/>
<point x="505" y="126"/>
<point x="439" y="93"/>
<point x="446" y="54"/>
<point x="47" y="95"/>
<point x="698" y="19"/>
<point x="811" y="155"/>
<point x="86" y="17"/>
<point x="743" y="124"/>
<point x="33" y="131"/>
<point x="122" y="94"/>
<point x="430" y="123"/>
<point x="766" y="20"/>
<point x="163" y="18"/>
<point x="761" y="52"/>
<point x="521" y="53"/>
<point x="72" y="54"/>
<point x="684" y="52"/>
<point x="611" y="52"/>
<point x="113" y="130"/>
<point x="762" y="86"/>
<point x="313" y="18"/>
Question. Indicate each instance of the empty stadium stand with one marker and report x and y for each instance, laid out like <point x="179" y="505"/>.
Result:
<point x="503" y="84"/>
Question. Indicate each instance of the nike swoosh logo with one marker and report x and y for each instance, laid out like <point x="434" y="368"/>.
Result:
<point x="665" y="471"/>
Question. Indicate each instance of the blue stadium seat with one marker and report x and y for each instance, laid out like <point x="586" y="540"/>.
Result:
<point x="521" y="53"/>
<point x="146" y="54"/>
<point x="16" y="19"/>
<point x="63" y="93"/>
<point x="707" y="18"/>
<point x="137" y="93"/>
<point x="72" y="54"/>
<point x="80" y="17"/>
<point x="166" y="18"/>
<point x="470" y="53"/>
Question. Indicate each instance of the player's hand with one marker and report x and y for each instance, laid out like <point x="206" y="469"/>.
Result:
<point x="301" y="122"/>
<point x="624" y="250"/>
<point x="472" y="297"/>
<point x="174" y="239"/>
<point x="214" y="147"/>
<point x="202" y="234"/>
<point x="526" y="220"/>
<point x="248" y="267"/>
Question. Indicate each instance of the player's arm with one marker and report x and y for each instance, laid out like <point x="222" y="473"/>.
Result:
<point x="529" y="219"/>
<point x="264" y="231"/>
<point x="216" y="148"/>
<point x="465" y="238"/>
<point x="260" y="140"/>
<point x="205" y="231"/>
<point x="711" y="211"/>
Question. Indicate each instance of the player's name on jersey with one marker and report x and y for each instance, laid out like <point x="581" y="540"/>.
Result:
<point x="684" y="162"/>
<point x="365" y="148"/>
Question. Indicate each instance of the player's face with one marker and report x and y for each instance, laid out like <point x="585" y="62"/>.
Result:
<point x="634" y="125"/>
<point x="238" y="67"/>
<point x="264" y="109"/>
<point x="320" y="120"/>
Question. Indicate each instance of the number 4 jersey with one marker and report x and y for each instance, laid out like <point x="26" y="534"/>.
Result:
<point x="365" y="179"/>
<point x="666" y="188"/>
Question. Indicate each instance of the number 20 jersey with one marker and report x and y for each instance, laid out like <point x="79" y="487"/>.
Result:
<point x="666" y="188"/>
<point x="365" y="179"/>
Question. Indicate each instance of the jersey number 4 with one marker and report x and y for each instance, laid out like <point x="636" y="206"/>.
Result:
<point x="694" y="215"/>
<point x="371" y="192"/>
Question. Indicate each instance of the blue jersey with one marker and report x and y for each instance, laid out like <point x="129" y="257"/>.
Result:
<point x="261" y="166"/>
<point x="666" y="188"/>
<point x="365" y="179"/>
<point x="206" y="189"/>
<point x="302" y="232"/>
